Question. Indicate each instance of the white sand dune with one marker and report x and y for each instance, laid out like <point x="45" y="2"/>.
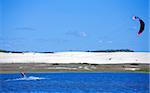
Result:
<point x="76" y="57"/>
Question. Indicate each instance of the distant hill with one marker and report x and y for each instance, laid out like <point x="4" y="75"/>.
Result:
<point x="111" y="50"/>
<point x="5" y="51"/>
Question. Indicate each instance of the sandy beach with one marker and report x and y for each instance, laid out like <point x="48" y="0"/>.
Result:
<point x="75" y="61"/>
<point x="76" y="57"/>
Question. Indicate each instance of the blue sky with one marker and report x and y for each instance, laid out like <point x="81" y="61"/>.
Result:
<point x="63" y="25"/>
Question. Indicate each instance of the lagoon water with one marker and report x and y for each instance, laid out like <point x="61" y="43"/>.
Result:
<point x="75" y="83"/>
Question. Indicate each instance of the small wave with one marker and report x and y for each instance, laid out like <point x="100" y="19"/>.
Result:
<point x="27" y="78"/>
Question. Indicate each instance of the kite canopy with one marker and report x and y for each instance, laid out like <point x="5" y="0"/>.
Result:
<point x="142" y="24"/>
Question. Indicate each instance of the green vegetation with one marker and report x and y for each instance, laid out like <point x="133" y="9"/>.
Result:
<point x="108" y="50"/>
<point x="2" y="50"/>
<point x="111" y="50"/>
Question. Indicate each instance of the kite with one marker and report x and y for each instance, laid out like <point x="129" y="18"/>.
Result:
<point x="142" y="24"/>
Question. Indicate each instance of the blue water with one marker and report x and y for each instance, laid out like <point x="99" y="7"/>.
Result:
<point x="75" y="83"/>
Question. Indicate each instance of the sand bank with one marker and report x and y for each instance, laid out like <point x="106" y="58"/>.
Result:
<point x="76" y="57"/>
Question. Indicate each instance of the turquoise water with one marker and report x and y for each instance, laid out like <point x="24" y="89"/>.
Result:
<point x="75" y="83"/>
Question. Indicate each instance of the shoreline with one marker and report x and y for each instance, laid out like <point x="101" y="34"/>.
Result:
<point x="85" y="67"/>
<point x="79" y="72"/>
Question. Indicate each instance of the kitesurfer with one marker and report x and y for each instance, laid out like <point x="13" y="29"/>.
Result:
<point x="23" y="74"/>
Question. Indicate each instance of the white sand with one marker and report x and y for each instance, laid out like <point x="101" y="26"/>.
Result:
<point x="76" y="57"/>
